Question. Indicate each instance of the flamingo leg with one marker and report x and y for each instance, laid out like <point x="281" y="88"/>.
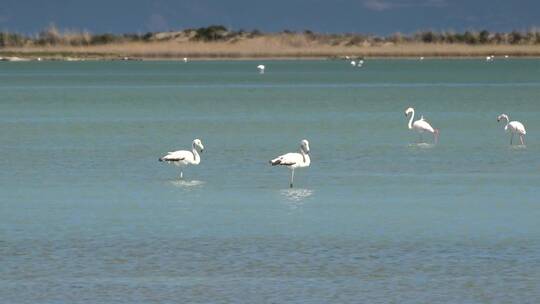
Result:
<point x="181" y="174"/>
<point x="292" y="178"/>
<point x="511" y="138"/>
<point x="521" y="139"/>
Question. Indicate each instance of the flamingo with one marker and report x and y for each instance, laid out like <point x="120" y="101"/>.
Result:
<point x="261" y="68"/>
<point x="183" y="158"/>
<point x="185" y="59"/>
<point x="294" y="160"/>
<point x="421" y="125"/>
<point x="514" y="127"/>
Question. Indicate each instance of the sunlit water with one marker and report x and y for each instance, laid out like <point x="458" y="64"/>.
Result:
<point x="88" y="214"/>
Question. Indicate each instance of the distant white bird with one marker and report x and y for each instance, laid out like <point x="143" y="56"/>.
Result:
<point x="421" y="58"/>
<point x="514" y="127"/>
<point x="294" y="160"/>
<point x="184" y="158"/>
<point x="360" y="63"/>
<point x="353" y="63"/>
<point x="261" y="68"/>
<point x="421" y="125"/>
<point x="506" y="56"/>
<point x="185" y="59"/>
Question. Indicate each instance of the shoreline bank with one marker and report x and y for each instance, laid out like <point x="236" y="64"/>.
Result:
<point x="75" y="58"/>
<point x="266" y="50"/>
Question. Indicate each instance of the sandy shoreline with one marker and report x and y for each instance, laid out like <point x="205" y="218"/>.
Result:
<point x="265" y="50"/>
<point x="24" y="58"/>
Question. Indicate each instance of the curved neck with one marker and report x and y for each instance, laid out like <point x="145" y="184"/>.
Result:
<point x="507" y="121"/>
<point x="196" y="157"/>
<point x="305" y="156"/>
<point x="411" y="120"/>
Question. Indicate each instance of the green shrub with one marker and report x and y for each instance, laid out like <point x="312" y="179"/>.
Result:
<point x="211" y="33"/>
<point x="104" y="39"/>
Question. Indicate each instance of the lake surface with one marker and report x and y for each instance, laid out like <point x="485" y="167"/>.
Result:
<point x="88" y="214"/>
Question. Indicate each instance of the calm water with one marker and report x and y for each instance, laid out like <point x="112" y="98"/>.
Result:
<point x="88" y="215"/>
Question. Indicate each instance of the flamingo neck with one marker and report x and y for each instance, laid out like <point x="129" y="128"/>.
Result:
<point x="411" y="120"/>
<point x="305" y="157"/>
<point x="507" y="122"/>
<point x="196" y="157"/>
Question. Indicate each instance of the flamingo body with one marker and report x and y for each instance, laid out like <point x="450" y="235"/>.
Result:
<point x="292" y="160"/>
<point x="422" y="126"/>
<point x="515" y="127"/>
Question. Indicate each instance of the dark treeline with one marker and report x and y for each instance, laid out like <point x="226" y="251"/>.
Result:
<point x="51" y="36"/>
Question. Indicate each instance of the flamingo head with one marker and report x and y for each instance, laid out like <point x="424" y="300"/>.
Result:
<point x="197" y="144"/>
<point x="502" y="116"/>
<point x="409" y="111"/>
<point x="304" y="146"/>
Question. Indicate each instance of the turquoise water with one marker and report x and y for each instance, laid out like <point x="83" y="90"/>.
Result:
<point x="88" y="214"/>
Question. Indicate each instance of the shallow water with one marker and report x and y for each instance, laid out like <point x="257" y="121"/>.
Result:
<point x="89" y="215"/>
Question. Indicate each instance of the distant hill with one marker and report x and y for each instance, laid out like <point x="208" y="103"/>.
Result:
<point x="217" y="41"/>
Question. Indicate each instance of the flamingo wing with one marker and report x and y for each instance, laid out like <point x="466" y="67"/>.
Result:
<point x="423" y="126"/>
<point x="289" y="159"/>
<point x="518" y="127"/>
<point x="176" y="156"/>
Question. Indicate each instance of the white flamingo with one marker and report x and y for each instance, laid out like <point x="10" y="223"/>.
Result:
<point x="294" y="160"/>
<point x="184" y="158"/>
<point x="261" y="68"/>
<point x="353" y="63"/>
<point x="421" y="125"/>
<point x="514" y="127"/>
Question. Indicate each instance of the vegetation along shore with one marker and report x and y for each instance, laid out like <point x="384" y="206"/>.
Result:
<point x="218" y="42"/>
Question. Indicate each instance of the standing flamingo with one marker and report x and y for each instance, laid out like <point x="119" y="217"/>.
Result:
<point x="514" y="127"/>
<point x="294" y="160"/>
<point x="184" y="158"/>
<point x="421" y="125"/>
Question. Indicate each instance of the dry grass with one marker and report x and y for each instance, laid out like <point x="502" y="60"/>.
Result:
<point x="272" y="46"/>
